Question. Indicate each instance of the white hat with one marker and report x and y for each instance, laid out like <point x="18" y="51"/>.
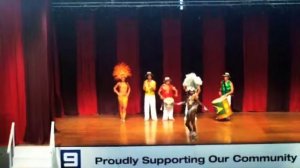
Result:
<point x="149" y="73"/>
<point x="167" y="79"/>
<point x="226" y="74"/>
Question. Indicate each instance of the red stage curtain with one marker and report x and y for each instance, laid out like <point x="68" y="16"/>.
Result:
<point x="86" y="79"/>
<point x="213" y="57"/>
<point x="295" y="70"/>
<point x="39" y="96"/>
<point x="128" y="52"/>
<point x="55" y="73"/>
<point x="171" y="29"/>
<point x="12" y="85"/>
<point x="255" y="63"/>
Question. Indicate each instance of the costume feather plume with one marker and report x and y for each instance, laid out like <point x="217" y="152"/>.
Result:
<point x="192" y="81"/>
<point x="121" y="70"/>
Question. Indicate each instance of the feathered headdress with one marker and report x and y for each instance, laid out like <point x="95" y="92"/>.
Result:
<point x="192" y="81"/>
<point x="121" y="70"/>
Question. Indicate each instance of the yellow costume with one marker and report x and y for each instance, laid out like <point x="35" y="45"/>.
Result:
<point x="123" y="100"/>
<point x="149" y="87"/>
<point x="122" y="88"/>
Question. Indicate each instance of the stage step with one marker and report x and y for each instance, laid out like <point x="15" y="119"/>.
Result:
<point x="32" y="157"/>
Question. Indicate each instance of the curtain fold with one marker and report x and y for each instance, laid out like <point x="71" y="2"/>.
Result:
<point x="128" y="52"/>
<point x="234" y="58"/>
<point x="279" y="63"/>
<point x="12" y="77"/>
<point x="294" y="102"/>
<point x="213" y="57"/>
<point x="55" y="72"/>
<point x="86" y="79"/>
<point x="39" y="100"/>
<point x="106" y="58"/>
<point x="65" y="39"/>
<point x="171" y="29"/>
<point x="255" y="30"/>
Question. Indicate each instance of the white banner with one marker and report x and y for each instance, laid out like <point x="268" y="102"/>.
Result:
<point x="205" y="156"/>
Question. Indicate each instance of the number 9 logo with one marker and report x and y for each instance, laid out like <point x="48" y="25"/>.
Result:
<point x="70" y="158"/>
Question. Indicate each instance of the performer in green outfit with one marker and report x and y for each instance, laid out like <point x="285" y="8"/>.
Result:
<point x="227" y="88"/>
<point x="222" y="104"/>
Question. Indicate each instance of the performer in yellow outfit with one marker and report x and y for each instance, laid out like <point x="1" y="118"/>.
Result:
<point x="149" y="87"/>
<point x="122" y="88"/>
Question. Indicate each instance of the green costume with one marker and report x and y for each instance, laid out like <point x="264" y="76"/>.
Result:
<point x="225" y="87"/>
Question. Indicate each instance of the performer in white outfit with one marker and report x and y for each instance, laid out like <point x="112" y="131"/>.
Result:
<point x="149" y="87"/>
<point x="191" y="82"/>
<point x="167" y="92"/>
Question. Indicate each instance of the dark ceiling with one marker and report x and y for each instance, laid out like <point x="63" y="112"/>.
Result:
<point x="169" y="3"/>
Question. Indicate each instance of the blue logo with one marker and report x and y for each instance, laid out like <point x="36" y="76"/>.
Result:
<point x="70" y="158"/>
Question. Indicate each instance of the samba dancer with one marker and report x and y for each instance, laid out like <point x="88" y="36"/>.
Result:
<point x="191" y="81"/>
<point x="167" y="92"/>
<point x="192" y="104"/>
<point x="122" y="88"/>
<point x="191" y="85"/>
<point x="149" y="87"/>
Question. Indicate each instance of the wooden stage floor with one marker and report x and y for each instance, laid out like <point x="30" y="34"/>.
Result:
<point x="108" y="130"/>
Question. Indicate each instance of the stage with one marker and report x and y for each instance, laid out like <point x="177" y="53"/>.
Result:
<point x="245" y="127"/>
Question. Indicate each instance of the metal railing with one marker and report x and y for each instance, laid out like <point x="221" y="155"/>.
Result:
<point x="52" y="136"/>
<point x="52" y="145"/>
<point x="11" y="144"/>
